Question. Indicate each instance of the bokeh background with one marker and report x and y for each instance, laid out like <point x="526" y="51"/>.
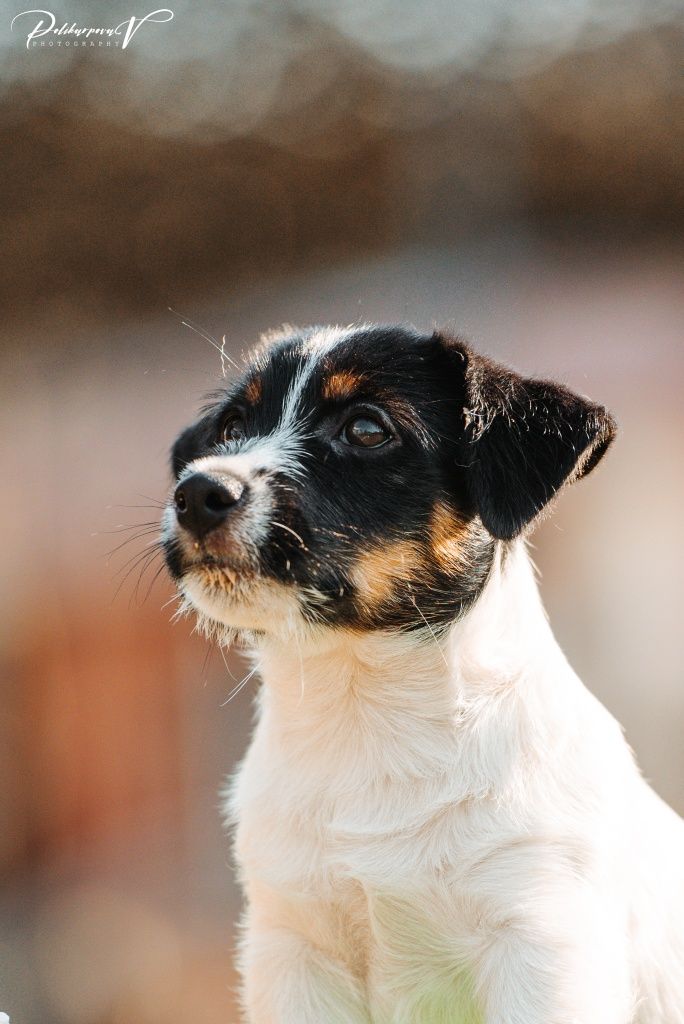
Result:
<point x="508" y="168"/>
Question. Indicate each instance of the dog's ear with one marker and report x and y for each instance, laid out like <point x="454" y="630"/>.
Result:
<point x="523" y="439"/>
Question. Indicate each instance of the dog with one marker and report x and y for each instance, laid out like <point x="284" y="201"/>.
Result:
<point x="436" y="822"/>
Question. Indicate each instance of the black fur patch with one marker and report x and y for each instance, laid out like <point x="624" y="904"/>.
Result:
<point x="524" y="439"/>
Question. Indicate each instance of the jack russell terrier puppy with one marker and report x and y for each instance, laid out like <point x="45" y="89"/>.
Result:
<point x="436" y="822"/>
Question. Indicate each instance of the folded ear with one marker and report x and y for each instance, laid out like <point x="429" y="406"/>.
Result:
<point x="524" y="439"/>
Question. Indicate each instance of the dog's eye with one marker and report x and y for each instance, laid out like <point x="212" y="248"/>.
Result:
<point x="233" y="429"/>
<point x="364" y="432"/>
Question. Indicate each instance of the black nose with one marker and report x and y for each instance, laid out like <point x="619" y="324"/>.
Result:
<point x="203" y="502"/>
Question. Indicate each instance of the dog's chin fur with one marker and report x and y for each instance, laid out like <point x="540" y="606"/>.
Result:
<point x="260" y="612"/>
<point x="227" y="603"/>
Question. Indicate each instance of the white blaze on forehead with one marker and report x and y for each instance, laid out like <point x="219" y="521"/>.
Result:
<point x="325" y="339"/>
<point x="272" y="452"/>
<point x="281" y="450"/>
<point x="319" y="344"/>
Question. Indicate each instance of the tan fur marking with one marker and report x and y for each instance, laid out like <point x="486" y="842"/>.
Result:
<point x="378" y="571"/>
<point x="254" y="390"/>
<point x="341" y="385"/>
<point x="447" y="533"/>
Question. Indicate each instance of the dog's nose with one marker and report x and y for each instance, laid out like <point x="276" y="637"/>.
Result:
<point x="203" y="502"/>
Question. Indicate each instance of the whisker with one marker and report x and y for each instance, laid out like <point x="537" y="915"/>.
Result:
<point x="124" y="529"/>
<point x="223" y="659"/>
<point x="146" y="547"/>
<point x="290" y="530"/>
<point x="301" y="670"/>
<point x="221" y="349"/>
<point x="241" y="685"/>
<point x="210" y="650"/>
<point x="129" y="540"/>
<point x="430" y="630"/>
<point x="154" y="579"/>
<point x="156" y="502"/>
<point x="136" y="559"/>
<point x="174" y="597"/>
<point x="145" y="556"/>
<point x="141" y="575"/>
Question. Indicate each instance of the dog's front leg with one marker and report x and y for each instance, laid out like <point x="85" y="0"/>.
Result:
<point x="287" y="980"/>
<point x="527" y="982"/>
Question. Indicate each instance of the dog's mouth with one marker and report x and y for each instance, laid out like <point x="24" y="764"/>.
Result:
<point x="219" y="580"/>
<point x="217" y="562"/>
<point x="234" y="567"/>
<point x="216" y="576"/>
<point x="229" y="589"/>
<point x="213" y="569"/>
<point x="212" y="562"/>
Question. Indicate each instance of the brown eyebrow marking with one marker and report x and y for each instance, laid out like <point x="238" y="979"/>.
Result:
<point x="341" y="384"/>
<point x="377" y="572"/>
<point x="254" y="390"/>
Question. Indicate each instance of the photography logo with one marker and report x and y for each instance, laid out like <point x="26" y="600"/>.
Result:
<point x="43" y="30"/>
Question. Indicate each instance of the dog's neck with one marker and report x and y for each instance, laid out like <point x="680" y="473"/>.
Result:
<point x="410" y="704"/>
<point x="505" y="637"/>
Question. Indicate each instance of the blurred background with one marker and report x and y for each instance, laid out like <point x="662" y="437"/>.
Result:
<point x="512" y="170"/>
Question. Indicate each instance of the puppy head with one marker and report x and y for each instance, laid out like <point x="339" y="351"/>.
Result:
<point x="363" y="478"/>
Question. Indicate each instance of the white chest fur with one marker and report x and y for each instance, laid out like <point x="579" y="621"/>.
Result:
<point x="411" y="812"/>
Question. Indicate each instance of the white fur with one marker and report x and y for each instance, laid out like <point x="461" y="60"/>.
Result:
<point x="451" y="832"/>
<point x="436" y="831"/>
<point x="320" y="344"/>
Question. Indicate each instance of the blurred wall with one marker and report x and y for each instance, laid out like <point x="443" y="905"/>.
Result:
<point x="512" y="171"/>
